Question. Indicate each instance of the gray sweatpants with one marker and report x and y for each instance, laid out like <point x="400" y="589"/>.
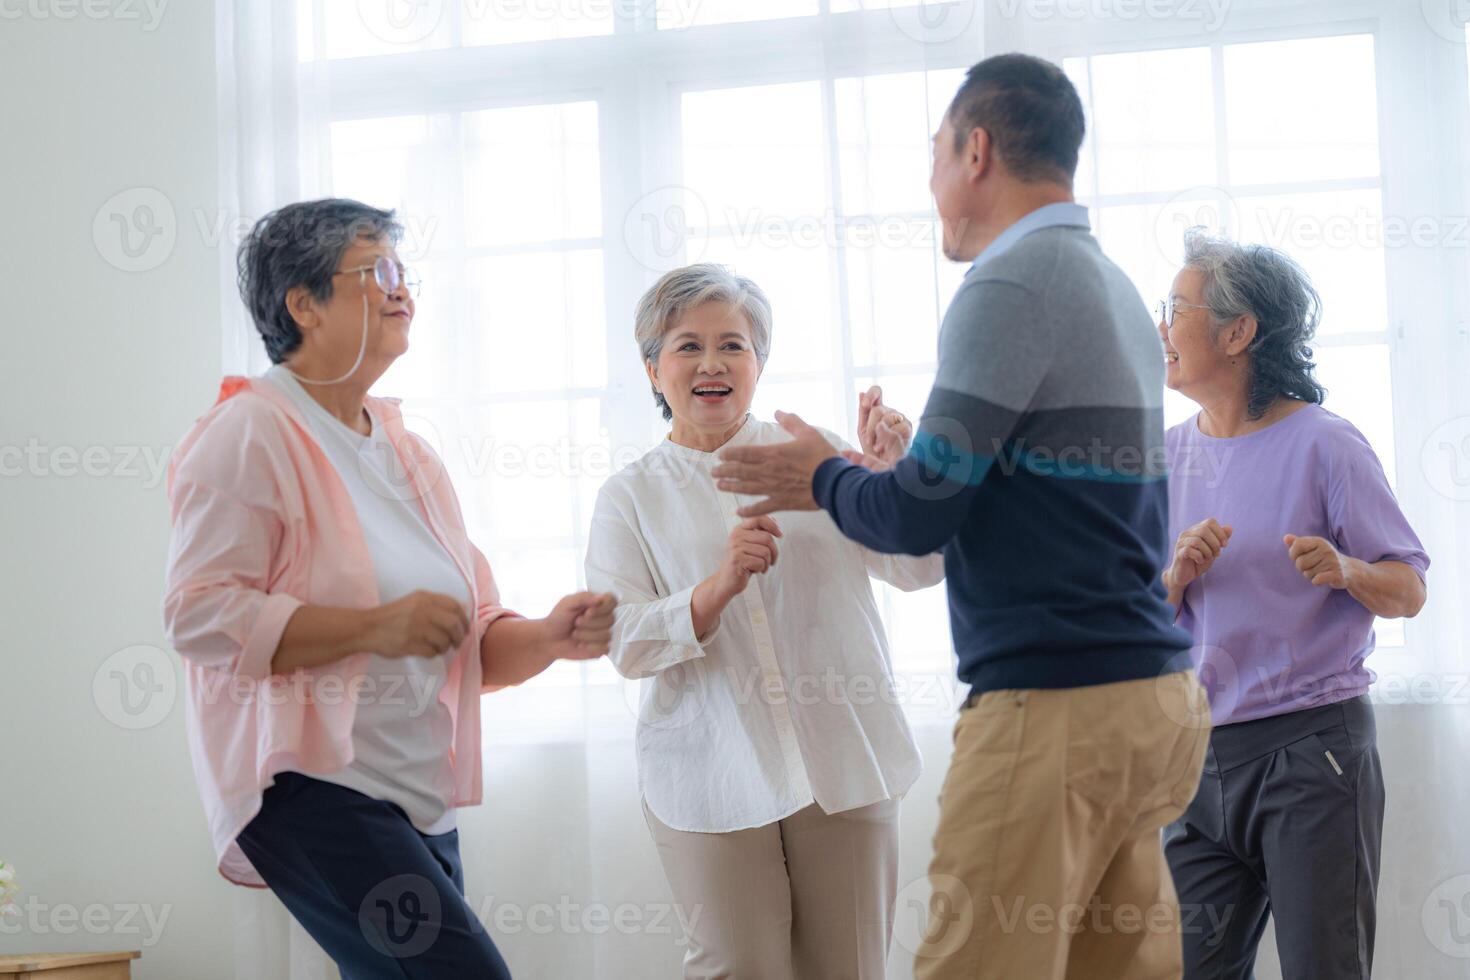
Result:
<point x="1288" y="822"/>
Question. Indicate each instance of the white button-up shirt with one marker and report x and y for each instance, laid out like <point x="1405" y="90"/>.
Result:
<point x="791" y="699"/>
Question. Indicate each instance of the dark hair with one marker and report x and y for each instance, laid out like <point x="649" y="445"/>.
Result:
<point x="1031" y="111"/>
<point x="1265" y="283"/>
<point x="301" y="245"/>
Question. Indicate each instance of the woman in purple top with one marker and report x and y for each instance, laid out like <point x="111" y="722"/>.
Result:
<point x="1289" y="543"/>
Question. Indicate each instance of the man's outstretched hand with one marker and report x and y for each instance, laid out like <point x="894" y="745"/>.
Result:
<point x="782" y="473"/>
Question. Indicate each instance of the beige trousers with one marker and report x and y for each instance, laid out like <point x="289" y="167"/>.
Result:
<point x="1047" y="862"/>
<point x="806" y="898"/>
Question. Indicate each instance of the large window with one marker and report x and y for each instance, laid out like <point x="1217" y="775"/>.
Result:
<point x="552" y="157"/>
<point x="1274" y="142"/>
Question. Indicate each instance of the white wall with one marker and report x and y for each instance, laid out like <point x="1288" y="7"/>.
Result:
<point x="92" y="814"/>
<point x="103" y="822"/>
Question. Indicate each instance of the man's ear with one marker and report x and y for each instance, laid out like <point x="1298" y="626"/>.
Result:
<point x="1240" y="334"/>
<point x="979" y="156"/>
<point x="302" y="307"/>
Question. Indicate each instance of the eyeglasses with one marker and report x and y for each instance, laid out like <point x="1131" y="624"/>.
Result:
<point x="1166" y="309"/>
<point x="389" y="275"/>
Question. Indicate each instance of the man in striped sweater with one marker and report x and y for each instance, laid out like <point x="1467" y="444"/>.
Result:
<point x="1038" y="469"/>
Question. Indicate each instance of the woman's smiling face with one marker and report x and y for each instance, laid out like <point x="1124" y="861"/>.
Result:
<point x="708" y="369"/>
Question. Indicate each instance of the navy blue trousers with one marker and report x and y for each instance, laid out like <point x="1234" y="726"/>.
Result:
<point x="382" y="899"/>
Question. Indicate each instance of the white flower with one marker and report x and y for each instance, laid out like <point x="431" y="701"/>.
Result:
<point x="6" y="874"/>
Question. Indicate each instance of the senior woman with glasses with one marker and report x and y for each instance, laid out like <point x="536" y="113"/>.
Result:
<point x="1288" y="543"/>
<point x="772" y="752"/>
<point x="337" y="625"/>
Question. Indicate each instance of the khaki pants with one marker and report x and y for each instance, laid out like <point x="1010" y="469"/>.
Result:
<point x="807" y="898"/>
<point x="1047" y="860"/>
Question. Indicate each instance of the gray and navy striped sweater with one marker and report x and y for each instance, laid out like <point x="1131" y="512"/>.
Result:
<point x="1038" y="468"/>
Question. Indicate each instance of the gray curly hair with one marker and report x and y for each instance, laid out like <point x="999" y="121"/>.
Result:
<point x="1265" y="283"/>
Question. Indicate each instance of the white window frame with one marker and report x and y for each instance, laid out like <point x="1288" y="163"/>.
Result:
<point x="1424" y="159"/>
<point x="637" y="75"/>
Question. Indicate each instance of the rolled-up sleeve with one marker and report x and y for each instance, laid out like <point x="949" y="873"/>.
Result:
<point x="1367" y="521"/>
<point x="651" y="632"/>
<point x="217" y="609"/>
<point x="487" y="595"/>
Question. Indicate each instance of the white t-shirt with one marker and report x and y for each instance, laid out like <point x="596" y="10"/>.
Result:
<point x="791" y="699"/>
<point x="402" y="732"/>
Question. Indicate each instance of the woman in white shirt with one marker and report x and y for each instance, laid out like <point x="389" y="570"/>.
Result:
<point x="772" y="751"/>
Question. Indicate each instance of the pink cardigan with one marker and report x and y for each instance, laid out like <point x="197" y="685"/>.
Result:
<point x="262" y="525"/>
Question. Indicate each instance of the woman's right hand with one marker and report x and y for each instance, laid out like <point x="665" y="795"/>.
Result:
<point x="750" y="550"/>
<point x="421" y="624"/>
<point x="1194" y="553"/>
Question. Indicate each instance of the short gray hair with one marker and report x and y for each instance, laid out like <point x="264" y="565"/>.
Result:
<point x="680" y="291"/>
<point x="1268" y="284"/>
<point x="301" y="244"/>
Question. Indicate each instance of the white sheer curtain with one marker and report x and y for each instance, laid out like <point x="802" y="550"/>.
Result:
<point x="265" y="100"/>
<point x="549" y="160"/>
<point x="551" y="157"/>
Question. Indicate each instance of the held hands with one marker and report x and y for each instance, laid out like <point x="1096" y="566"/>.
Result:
<point x="1319" y="561"/>
<point x="421" y="624"/>
<point x="883" y="433"/>
<point x="1194" y="553"/>
<point x="580" y="626"/>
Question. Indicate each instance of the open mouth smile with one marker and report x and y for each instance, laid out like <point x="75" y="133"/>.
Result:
<point x="713" y="393"/>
